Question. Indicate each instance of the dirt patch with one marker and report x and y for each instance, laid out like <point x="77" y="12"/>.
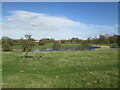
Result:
<point x="101" y="46"/>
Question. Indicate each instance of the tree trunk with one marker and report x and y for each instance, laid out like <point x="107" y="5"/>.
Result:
<point x="27" y="51"/>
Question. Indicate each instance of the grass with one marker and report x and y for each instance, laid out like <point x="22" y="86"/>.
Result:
<point x="107" y="44"/>
<point x="0" y="67"/>
<point x="63" y="69"/>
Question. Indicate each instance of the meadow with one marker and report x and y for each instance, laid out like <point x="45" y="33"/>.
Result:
<point x="61" y="69"/>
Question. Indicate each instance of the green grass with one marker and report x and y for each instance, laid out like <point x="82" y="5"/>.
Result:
<point x="0" y="67"/>
<point x="63" y="69"/>
<point x="37" y="46"/>
<point x="17" y="46"/>
<point x="106" y="44"/>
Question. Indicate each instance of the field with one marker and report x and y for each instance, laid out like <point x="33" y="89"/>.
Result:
<point x="62" y="69"/>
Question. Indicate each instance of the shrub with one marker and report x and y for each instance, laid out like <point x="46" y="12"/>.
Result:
<point x="56" y="46"/>
<point x="6" y="47"/>
<point x="42" y="42"/>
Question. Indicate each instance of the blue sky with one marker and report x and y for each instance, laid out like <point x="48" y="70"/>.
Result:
<point x="78" y="19"/>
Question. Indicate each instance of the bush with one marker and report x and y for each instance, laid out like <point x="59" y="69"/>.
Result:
<point x="42" y="42"/>
<point x="7" y="40"/>
<point x="56" y="46"/>
<point x="6" y="47"/>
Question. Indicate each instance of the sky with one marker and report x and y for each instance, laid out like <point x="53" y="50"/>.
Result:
<point x="59" y="20"/>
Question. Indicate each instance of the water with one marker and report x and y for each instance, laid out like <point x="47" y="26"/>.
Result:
<point x="73" y="48"/>
<point x="114" y="47"/>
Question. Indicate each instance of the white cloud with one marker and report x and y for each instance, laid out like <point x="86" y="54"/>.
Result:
<point x="42" y="25"/>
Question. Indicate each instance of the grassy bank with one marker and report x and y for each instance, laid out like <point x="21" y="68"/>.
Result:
<point x="63" y="69"/>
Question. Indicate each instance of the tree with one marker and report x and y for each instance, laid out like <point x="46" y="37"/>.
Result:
<point x="42" y="42"/>
<point x="6" y="43"/>
<point x="63" y="41"/>
<point x="45" y="41"/>
<point x="7" y="40"/>
<point x="56" y="46"/>
<point x="113" y="39"/>
<point x="0" y="42"/>
<point x="90" y="39"/>
<point x="6" y="47"/>
<point x="51" y="40"/>
<point x="104" y="39"/>
<point x="75" y="40"/>
<point x="27" y="44"/>
<point x="24" y="44"/>
<point x="96" y="40"/>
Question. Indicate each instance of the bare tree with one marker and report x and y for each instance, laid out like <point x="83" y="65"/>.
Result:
<point x="28" y="44"/>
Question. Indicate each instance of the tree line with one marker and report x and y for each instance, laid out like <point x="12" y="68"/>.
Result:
<point x="28" y="42"/>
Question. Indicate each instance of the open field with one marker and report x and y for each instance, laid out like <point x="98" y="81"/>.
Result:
<point x="62" y="69"/>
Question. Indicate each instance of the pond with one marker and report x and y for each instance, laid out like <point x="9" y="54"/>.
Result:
<point x="73" y="48"/>
<point x="114" y="47"/>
